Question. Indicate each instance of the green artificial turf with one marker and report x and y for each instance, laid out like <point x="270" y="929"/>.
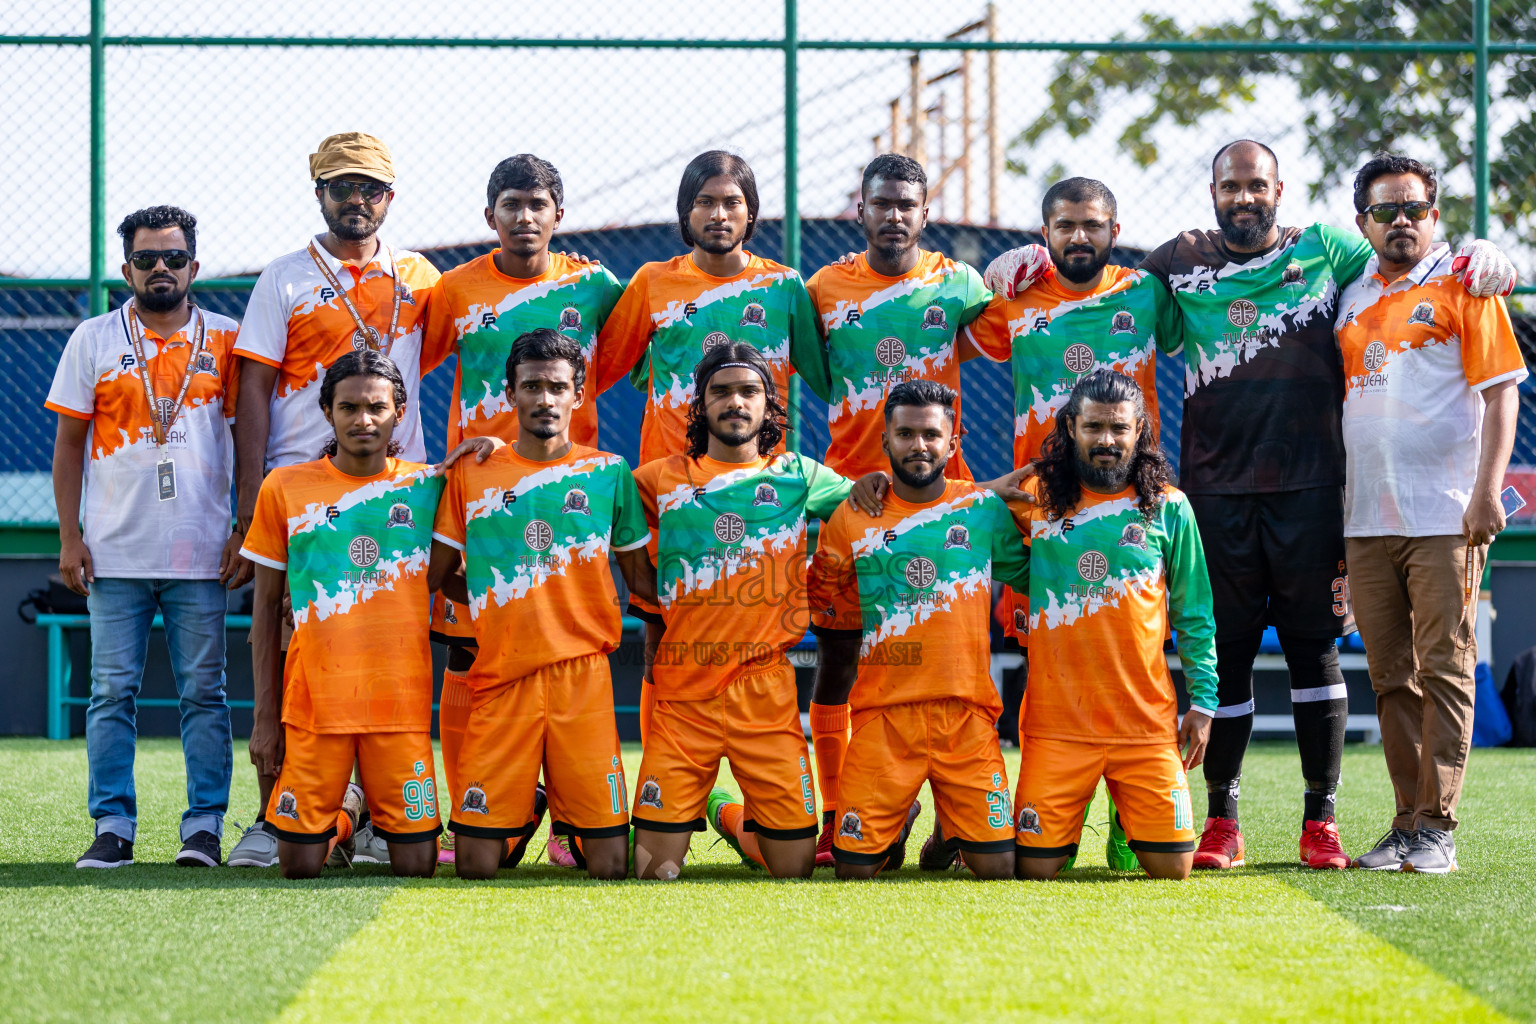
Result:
<point x="1266" y="942"/>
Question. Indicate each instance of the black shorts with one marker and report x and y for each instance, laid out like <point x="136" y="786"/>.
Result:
<point x="1275" y="560"/>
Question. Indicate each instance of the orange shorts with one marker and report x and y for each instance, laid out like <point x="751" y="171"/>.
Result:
<point x="398" y="780"/>
<point x="451" y="623"/>
<point x="755" y="723"/>
<point x="1057" y="778"/>
<point x="1016" y="621"/>
<point x="950" y="743"/>
<point x="559" y="718"/>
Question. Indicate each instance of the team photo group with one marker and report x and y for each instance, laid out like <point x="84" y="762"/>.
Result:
<point x="1349" y="411"/>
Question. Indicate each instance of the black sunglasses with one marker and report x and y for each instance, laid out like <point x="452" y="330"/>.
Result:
<point x="175" y="259"/>
<point x="373" y="192"/>
<point x="1386" y="213"/>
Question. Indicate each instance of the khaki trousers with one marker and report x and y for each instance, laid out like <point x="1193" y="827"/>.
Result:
<point x="1410" y="602"/>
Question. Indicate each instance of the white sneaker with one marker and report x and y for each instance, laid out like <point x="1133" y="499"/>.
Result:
<point x="368" y="847"/>
<point x="257" y="848"/>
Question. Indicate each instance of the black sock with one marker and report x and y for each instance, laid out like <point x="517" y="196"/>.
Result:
<point x="1233" y="725"/>
<point x="1320" y="709"/>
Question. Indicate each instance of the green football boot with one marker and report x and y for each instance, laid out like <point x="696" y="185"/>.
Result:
<point x="1117" y="852"/>
<point x="718" y="798"/>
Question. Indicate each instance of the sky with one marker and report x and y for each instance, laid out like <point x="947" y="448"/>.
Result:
<point x="226" y="132"/>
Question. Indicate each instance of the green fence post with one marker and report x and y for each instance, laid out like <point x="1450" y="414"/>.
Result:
<point x="1480" y="150"/>
<point x="98" y="158"/>
<point x="792" y="185"/>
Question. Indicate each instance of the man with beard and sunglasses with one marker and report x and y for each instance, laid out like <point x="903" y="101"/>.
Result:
<point x="149" y="390"/>
<point x="901" y="606"/>
<point x="1262" y="462"/>
<point x="344" y="291"/>
<point x="1115" y="563"/>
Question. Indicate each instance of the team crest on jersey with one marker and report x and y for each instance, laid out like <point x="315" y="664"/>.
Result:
<point x="714" y="339"/>
<point x="449" y="616"/>
<point x="1078" y="358"/>
<point x="957" y="537"/>
<point x="851" y="827"/>
<point x="538" y="535"/>
<point x="890" y="351"/>
<point x="920" y="572"/>
<point x="1028" y="820"/>
<point x="1092" y="566"/>
<point x="752" y="315"/>
<point x="474" y="802"/>
<point x="576" y="501"/>
<point x="650" y="794"/>
<point x="206" y="363"/>
<point x="288" y="805"/>
<point x="730" y="528"/>
<point x="570" y="319"/>
<point x="1423" y="313"/>
<point x="766" y="495"/>
<point x="934" y="319"/>
<point x="1134" y="536"/>
<point x="1122" y="323"/>
<point x="1374" y="356"/>
<point x="364" y="551"/>
<point x="400" y="515"/>
<point x="1021" y="622"/>
<point x="1293" y="275"/>
<point x="1242" y="313"/>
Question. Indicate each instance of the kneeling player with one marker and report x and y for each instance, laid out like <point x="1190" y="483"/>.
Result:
<point x="350" y="535"/>
<point x="535" y="522"/>
<point x="904" y="601"/>
<point x="1115" y="559"/>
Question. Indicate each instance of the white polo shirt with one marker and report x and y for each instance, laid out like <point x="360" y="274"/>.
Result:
<point x="130" y="532"/>
<point x="296" y="323"/>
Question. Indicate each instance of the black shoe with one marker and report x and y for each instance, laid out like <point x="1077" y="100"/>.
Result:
<point x="896" y="856"/>
<point x="108" y="851"/>
<point x="201" y="850"/>
<point x="938" y="854"/>
<point x="514" y="857"/>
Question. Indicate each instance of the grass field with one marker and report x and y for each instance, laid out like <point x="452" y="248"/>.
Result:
<point x="1263" y="943"/>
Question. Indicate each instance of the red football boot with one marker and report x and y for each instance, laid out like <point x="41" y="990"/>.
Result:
<point x="824" y="843"/>
<point x="1221" y="844"/>
<point x="1320" y="846"/>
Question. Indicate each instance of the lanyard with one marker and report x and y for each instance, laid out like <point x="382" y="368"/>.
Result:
<point x="364" y="336"/>
<point x="162" y="411"/>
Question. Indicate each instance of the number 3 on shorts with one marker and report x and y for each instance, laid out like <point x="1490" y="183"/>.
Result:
<point x="1000" y="815"/>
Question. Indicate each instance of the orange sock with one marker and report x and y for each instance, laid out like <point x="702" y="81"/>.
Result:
<point x="647" y="703"/>
<point x="831" y="730"/>
<point x="732" y="816"/>
<point x="452" y="720"/>
<point x="343" y="831"/>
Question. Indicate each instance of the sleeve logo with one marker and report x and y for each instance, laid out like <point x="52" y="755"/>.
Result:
<point x="1078" y="358"/>
<point x="1092" y="566"/>
<point x="538" y="535"/>
<point x="1242" y="313"/>
<point x="400" y="515"/>
<point x="730" y="528"/>
<point x="1423" y="313"/>
<point x="890" y="351"/>
<point x="364" y="551"/>
<point x="920" y="572"/>
<point x="1122" y="323"/>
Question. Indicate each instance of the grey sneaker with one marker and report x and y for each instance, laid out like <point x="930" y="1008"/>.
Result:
<point x="257" y="848"/>
<point x="369" y="848"/>
<point x="352" y="804"/>
<point x="1433" y="853"/>
<point x="1388" y="853"/>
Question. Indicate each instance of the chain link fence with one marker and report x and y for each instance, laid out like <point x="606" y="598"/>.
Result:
<point x="114" y="105"/>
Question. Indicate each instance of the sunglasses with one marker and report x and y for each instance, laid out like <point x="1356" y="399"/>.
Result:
<point x="373" y="192"/>
<point x="1386" y="213"/>
<point x="175" y="259"/>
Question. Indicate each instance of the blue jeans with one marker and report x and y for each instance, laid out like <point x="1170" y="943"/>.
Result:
<point x="122" y="611"/>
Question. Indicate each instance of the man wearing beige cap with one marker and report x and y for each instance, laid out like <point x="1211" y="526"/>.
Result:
<point x="345" y="290"/>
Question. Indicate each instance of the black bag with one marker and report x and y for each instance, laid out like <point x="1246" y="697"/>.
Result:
<point x="55" y="599"/>
<point x="1520" y="698"/>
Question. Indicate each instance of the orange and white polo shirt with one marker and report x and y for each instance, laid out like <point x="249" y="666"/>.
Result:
<point x="1416" y="353"/>
<point x="296" y="323"/>
<point x="130" y="532"/>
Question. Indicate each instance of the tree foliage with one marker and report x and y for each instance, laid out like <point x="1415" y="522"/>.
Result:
<point x="1353" y="103"/>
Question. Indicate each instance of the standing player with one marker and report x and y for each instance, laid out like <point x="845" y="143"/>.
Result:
<point x="1115" y="560"/>
<point x="730" y="525"/>
<point x="345" y="291"/>
<point x="904" y="603"/>
<point x="349" y="535"/>
<point x="475" y="310"/>
<point x="889" y="314"/>
<point x="534" y="524"/>
<point x="1263" y="465"/>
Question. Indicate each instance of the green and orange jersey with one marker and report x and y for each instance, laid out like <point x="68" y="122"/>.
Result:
<point x="536" y="538"/>
<point x="1105" y="585"/>
<point x="730" y="554"/>
<point x="881" y="331"/>
<point x="477" y="311"/>
<point x="355" y="550"/>
<point x="1052" y="335"/>
<point x="673" y="313"/>
<point x="917" y="583"/>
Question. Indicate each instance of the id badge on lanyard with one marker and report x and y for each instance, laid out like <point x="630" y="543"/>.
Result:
<point x="163" y="411"/>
